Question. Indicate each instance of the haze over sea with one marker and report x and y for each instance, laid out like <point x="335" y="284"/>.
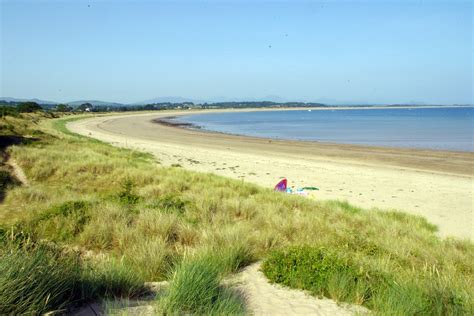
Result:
<point x="447" y="128"/>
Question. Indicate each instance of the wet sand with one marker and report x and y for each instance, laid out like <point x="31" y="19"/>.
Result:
<point x="436" y="184"/>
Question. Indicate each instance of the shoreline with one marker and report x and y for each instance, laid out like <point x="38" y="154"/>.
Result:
<point x="169" y="122"/>
<point x="435" y="184"/>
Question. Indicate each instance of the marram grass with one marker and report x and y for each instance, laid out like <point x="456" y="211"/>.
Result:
<point x="195" y="288"/>
<point x="120" y="207"/>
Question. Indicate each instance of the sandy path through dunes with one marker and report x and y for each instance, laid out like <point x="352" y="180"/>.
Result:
<point x="260" y="296"/>
<point x="435" y="184"/>
<point x="263" y="298"/>
<point x="18" y="172"/>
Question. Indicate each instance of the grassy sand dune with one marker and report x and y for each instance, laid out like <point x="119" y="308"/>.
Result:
<point x="435" y="184"/>
<point x="127" y="220"/>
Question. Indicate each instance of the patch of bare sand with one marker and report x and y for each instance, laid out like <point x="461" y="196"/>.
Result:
<point x="17" y="172"/>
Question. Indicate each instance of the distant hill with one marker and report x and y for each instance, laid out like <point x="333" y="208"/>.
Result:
<point x="167" y="100"/>
<point x="95" y="103"/>
<point x="7" y="99"/>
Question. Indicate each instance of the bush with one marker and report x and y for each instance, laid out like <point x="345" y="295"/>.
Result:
<point x="28" y="107"/>
<point x="315" y="269"/>
<point x="327" y="273"/>
<point x="126" y="196"/>
<point x="63" y="108"/>
<point x="8" y="111"/>
<point x="170" y="203"/>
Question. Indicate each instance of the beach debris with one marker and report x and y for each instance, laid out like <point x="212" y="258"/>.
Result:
<point x="298" y="191"/>
<point x="310" y="188"/>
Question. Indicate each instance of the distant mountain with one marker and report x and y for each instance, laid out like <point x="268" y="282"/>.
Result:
<point x="27" y="100"/>
<point x="95" y="103"/>
<point x="167" y="100"/>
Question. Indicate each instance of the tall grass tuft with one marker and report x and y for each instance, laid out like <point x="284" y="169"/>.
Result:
<point x="113" y="278"/>
<point x="195" y="288"/>
<point x="38" y="277"/>
<point x="35" y="280"/>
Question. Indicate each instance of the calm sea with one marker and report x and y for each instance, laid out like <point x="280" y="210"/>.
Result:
<point x="431" y="128"/>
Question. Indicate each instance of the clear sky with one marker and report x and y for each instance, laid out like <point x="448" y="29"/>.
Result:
<point x="346" y="51"/>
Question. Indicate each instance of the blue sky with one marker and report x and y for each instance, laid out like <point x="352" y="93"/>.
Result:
<point x="344" y="51"/>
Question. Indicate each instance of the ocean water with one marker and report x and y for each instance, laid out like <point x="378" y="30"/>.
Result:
<point x="429" y="128"/>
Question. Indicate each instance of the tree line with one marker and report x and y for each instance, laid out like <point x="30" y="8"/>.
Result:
<point x="14" y="108"/>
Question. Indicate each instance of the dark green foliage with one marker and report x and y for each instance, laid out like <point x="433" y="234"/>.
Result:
<point x="126" y="196"/>
<point x="6" y="180"/>
<point x="28" y="107"/>
<point x="314" y="268"/>
<point x="328" y="273"/>
<point x="8" y="111"/>
<point x="84" y="106"/>
<point x="63" y="108"/>
<point x="170" y="203"/>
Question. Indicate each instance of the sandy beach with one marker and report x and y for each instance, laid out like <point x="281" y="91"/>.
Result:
<point x="435" y="184"/>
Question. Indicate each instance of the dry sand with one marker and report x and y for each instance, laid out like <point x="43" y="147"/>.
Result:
<point x="263" y="298"/>
<point x="435" y="184"/>
<point x="17" y="172"/>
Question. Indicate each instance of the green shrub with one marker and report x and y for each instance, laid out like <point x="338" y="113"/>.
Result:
<point x="171" y="203"/>
<point x="28" y="107"/>
<point x="8" y="111"/>
<point x="328" y="273"/>
<point x="126" y="196"/>
<point x="322" y="272"/>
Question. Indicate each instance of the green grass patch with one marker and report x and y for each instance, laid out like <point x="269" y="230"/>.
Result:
<point x="61" y="222"/>
<point x="329" y="273"/>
